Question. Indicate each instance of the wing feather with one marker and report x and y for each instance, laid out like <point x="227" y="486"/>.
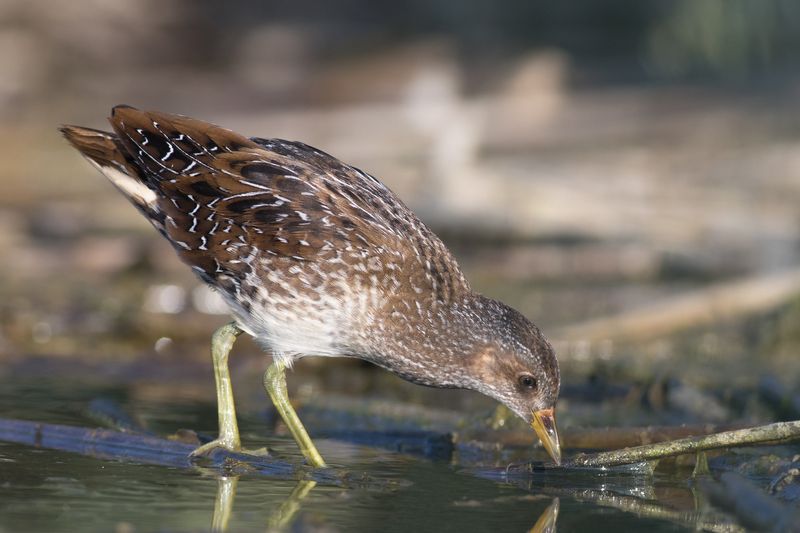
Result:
<point x="223" y="198"/>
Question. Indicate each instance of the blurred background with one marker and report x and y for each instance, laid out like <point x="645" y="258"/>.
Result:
<point x="627" y="174"/>
<point x="584" y="160"/>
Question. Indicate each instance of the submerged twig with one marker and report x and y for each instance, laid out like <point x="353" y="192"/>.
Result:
<point x="754" y="508"/>
<point x="780" y="431"/>
<point x="148" y="449"/>
<point x="111" y="444"/>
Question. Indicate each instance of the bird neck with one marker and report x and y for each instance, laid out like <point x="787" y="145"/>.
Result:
<point x="438" y="348"/>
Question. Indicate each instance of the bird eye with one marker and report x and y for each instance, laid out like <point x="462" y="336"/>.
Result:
<point x="527" y="381"/>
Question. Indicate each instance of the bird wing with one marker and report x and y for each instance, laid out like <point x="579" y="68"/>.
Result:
<point x="222" y="197"/>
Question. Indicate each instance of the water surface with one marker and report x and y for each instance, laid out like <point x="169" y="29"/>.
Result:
<point x="44" y="490"/>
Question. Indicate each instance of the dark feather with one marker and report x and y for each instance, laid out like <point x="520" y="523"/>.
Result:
<point x="222" y="197"/>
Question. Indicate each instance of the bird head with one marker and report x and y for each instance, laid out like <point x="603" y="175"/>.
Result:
<point x="515" y="365"/>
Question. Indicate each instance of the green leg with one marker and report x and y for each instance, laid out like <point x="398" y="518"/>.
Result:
<point x="275" y="384"/>
<point x="221" y="344"/>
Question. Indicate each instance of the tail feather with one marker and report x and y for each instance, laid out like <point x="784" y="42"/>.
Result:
<point x="105" y="151"/>
<point x="167" y="145"/>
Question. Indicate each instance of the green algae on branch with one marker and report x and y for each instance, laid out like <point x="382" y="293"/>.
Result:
<point x="769" y="434"/>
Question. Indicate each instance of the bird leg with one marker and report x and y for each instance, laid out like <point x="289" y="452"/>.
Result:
<point x="275" y="384"/>
<point x="221" y="344"/>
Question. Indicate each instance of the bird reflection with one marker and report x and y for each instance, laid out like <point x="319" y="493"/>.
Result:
<point x="286" y="513"/>
<point x="223" y="505"/>
<point x="547" y="520"/>
<point x="280" y="519"/>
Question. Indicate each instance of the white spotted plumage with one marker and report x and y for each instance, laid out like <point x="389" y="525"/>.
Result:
<point x="316" y="257"/>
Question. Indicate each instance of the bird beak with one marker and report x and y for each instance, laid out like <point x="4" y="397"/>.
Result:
<point x="544" y="424"/>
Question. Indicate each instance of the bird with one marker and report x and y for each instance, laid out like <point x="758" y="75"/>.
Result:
<point x="315" y="257"/>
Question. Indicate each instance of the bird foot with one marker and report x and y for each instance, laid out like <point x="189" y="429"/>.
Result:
<point x="259" y="452"/>
<point x="209" y="447"/>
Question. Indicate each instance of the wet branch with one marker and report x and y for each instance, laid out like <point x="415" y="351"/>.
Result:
<point x="772" y="433"/>
<point x="602" y="438"/>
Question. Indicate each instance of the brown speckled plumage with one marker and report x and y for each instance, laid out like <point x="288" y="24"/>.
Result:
<point x="315" y="257"/>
